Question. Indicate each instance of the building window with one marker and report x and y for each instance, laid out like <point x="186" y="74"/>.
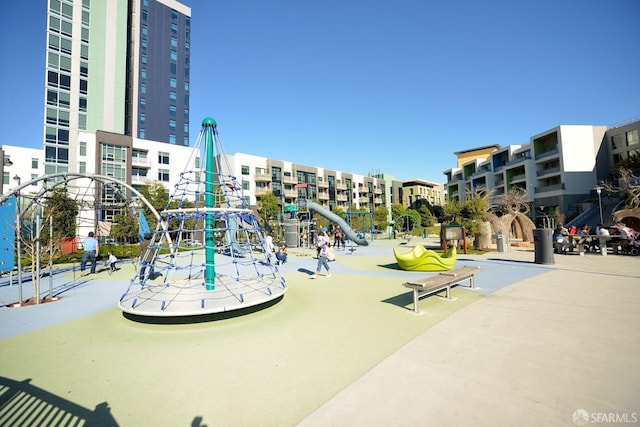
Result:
<point x="172" y="139"/>
<point x="186" y="113"/>
<point x="34" y="163"/>
<point x="174" y="41"/>
<point x="185" y="128"/>
<point x="174" y="55"/>
<point x="245" y="170"/>
<point x="141" y="133"/>
<point x="83" y="148"/>
<point x="143" y="73"/>
<point x="173" y="96"/>
<point x="173" y="82"/>
<point x="84" y="51"/>
<point x="143" y="88"/>
<point x="82" y="168"/>
<point x="172" y="124"/>
<point x="142" y="117"/>
<point x="632" y="138"/>
<point x="172" y="110"/>
<point x="143" y="102"/>
<point x="163" y="175"/>
<point x="163" y="158"/>
<point x="245" y="185"/>
<point x="185" y="141"/>
<point x="617" y="141"/>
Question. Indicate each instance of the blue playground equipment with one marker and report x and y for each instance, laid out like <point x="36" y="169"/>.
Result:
<point x="230" y="269"/>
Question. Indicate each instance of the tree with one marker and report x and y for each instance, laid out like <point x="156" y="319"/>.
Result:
<point x="157" y="195"/>
<point x="380" y="216"/>
<point x="513" y="211"/>
<point x="426" y="218"/>
<point x="64" y="212"/>
<point x="397" y="210"/>
<point x="268" y="209"/>
<point x="451" y="212"/>
<point x="268" y="206"/>
<point x="125" y="226"/>
<point x="629" y="185"/>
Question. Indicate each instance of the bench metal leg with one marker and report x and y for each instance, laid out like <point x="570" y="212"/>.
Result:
<point x="416" y="298"/>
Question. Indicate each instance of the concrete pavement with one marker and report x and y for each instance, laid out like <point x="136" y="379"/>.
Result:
<point x="542" y="352"/>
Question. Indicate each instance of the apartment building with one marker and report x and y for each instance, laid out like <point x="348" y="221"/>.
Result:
<point x="292" y="182"/>
<point x="413" y="192"/>
<point x="558" y="169"/>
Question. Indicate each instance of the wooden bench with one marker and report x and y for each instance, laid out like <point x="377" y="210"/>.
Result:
<point x="441" y="282"/>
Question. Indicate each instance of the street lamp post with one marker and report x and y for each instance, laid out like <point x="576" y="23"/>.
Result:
<point x="599" y="191"/>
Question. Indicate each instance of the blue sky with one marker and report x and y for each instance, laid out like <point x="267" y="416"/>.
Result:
<point x="390" y="87"/>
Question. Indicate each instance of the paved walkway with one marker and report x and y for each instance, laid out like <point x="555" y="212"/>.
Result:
<point x="537" y="345"/>
<point x="539" y="353"/>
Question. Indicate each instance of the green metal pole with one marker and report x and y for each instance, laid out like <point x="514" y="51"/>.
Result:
<point x="209" y="126"/>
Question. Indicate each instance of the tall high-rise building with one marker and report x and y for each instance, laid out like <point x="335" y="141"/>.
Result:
<point x="117" y="66"/>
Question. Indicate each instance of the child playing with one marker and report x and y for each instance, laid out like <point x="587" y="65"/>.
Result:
<point x="112" y="261"/>
<point x="281" y="255"/>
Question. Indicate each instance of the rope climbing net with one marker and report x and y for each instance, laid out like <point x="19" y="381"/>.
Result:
<point x="207" y="253"/>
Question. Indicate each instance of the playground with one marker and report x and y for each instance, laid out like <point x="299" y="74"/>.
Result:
<point x="221" y="335"/>
<point x="531" y="345"/>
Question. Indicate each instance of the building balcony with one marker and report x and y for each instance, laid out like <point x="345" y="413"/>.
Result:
<point x="518" y="178"/>
<point x="262" y="177"/>
<point x="547" y="154"/>
<point x="377" y="192"/>
<point x="289" y="180"/>
<point x="548" y="171"/>
<point x="291" y="194"/>
<point x="377" y="200"/>
<point x="260" y="191"/>
<point x="341" y="187"/>
<point x="323" y="196"/>
<point x="141" y="163"/>
<point x="342" y="198"/>
<point x="323" y="184"/>
<point x="364" y="200"/>
<point x="138" y="179"/>
<point x="553" y="187"/>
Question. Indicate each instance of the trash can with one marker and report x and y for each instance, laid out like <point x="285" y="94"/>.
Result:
<point x="500" y="241"/>
<point x="291" y="227"/>
<point x="543" y="244"/>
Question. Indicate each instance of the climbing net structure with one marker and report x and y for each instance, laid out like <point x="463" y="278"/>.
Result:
<point x="208" y="253"/>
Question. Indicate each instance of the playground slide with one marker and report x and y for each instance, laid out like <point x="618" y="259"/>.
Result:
<point x="341" y="222"/>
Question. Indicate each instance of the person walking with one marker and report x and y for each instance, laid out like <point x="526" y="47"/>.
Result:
<point x="323" y="243"/>
<point x="91" y="247"/>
